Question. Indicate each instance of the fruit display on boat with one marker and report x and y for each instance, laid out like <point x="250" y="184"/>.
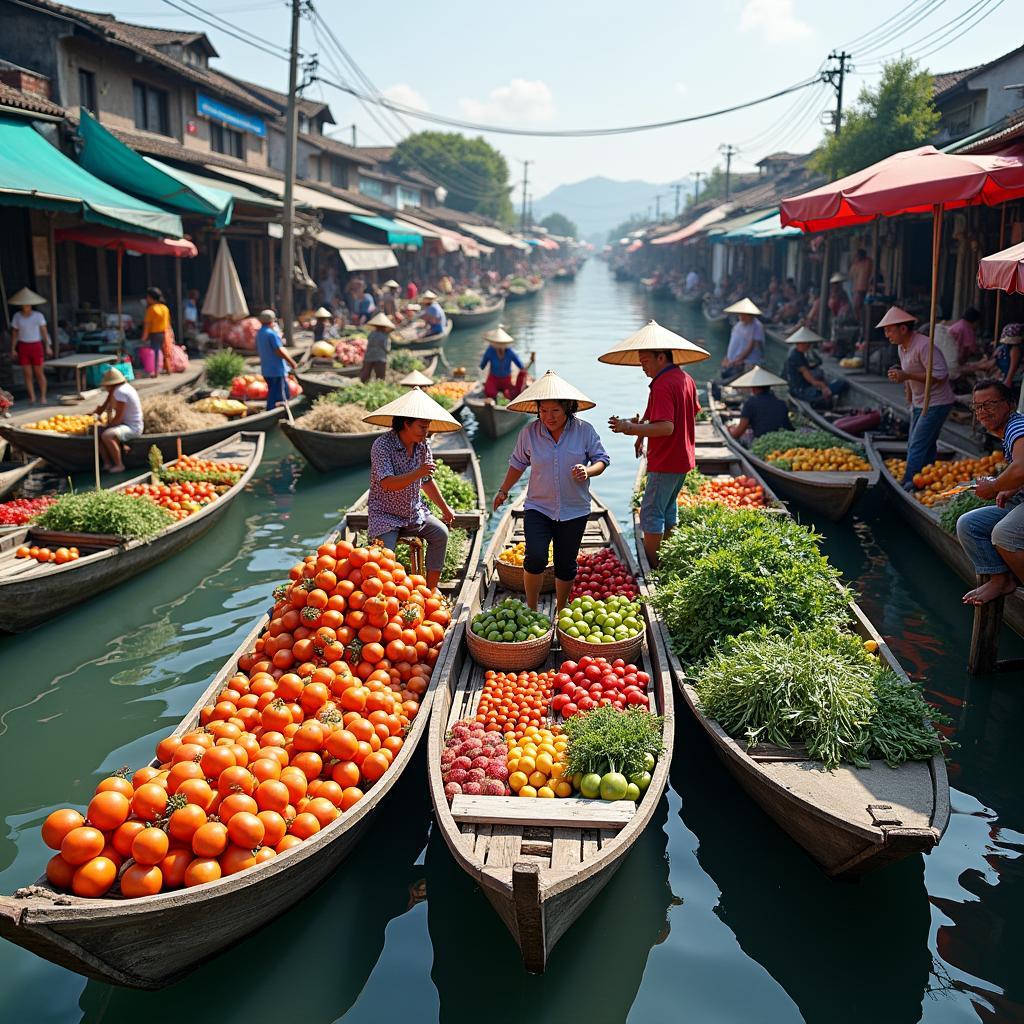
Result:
<point x="600" y="574"/>
<point x="252" y="387"/>
<point x="59" y="556"/>
<point x="601" y="621"/>
<point x="351" y="350"/>
<point x="596" y="682"/>
<point x="943" y="479"/>
<point x="61" y="423"/>
<point x="23" y="510"/>
<point x="515" y="554"/>
<point x="510" y="622"/>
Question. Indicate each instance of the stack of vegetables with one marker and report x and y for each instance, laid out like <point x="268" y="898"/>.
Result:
<point x="23" y="510"/>
<point x="944" y="479"/>
<point x="698" y="488"/>
<point x="350" y="351"/>
<point x="252" y="387"/>
<point x="312" y="720"/>
<point x="756" y="614"/>
<point x="600" y="574"/>
<point x="805" y="451"/>
<point x="448" y="393"/>
<point x="61" y="423"/>
<point x="223" y="366"/>
<point x="342" y="411"/>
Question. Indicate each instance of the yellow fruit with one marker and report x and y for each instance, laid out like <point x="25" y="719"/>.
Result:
<point x="563" y="789"/>
<point x="538" y="779"/>
<point x="527" y="791"/>
<point x="512" y="764"/>
<point x="871" y="646"/>
<point x="557" y="770"/>
<point x="546" y="793"/>
<point x="545" y="763"/>
<point x="527" y="764"/>
<point x="516" y="781"/>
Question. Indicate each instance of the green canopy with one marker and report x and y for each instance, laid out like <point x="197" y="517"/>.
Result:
<point x="397" y="234"/>
<point x="108" y="158"/>
<point x="34" y="173"/>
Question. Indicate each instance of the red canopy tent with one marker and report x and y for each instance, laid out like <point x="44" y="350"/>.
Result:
<point x="1003" y="270"/>
<point x="100" y="237"/>
<point x="915" y="181"/>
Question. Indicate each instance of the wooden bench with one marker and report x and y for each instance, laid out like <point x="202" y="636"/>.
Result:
<point x="514" y="810"/>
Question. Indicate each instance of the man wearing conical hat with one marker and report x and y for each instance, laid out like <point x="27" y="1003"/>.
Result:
<point x="804" y="374"/>
<point x="378" y="345"/>
<point x="762" y="412"/>
<point x="499" y="358"/>
<point x="30" y="344"/>
<point x="432" y="314"/>
<point x="925" y="427"/>
<point x="746" y="342"/>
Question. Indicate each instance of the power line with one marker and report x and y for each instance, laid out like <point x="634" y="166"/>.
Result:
<point x="871" y="31"/>
<point x="886" y="33"/>
<point x="956" y="22"/>
<point x="278" y="52"/>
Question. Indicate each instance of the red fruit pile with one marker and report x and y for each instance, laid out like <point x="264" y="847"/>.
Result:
<point x="182" y="500"/>
<point x="600" y="574"/>
<point x="474" y="762"/>
<point x="22" y="510"/>
<point x="512" y="701"/>
<point x="596" y="682"/>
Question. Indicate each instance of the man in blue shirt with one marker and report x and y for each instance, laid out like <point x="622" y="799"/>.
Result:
<point x="274" y="361"/>
<point x="433" y="315"/>
<point x="363" y="305"/>
<point x="499" y="358"/>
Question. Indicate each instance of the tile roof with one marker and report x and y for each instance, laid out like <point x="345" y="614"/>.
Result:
<point x="946" y="80"/>
<point x="1009" y="129"/>
<point x="337" y="147"/>
<point x="11" y="97"/>
<point x="378" y="154"/>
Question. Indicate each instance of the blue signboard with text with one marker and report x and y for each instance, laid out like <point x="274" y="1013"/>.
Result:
<point x="228" y="115"/>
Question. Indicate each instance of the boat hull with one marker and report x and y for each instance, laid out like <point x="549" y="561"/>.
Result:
<point x="465" y="320"/>
<point x="315" y="383"/>
<point x="327" y="452"/>
<point x="12" y="473"/>
<point x="492" y="419"/>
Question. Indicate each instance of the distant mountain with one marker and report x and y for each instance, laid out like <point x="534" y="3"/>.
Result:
<point x="599" y="204"/>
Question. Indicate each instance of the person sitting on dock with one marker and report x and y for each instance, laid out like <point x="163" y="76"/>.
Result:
<point x="993" y="536"/>
<point x="803" y="371"/>
<point x="762" y="412"/>
<point x="378" y="345"/>
<point x="124" y="419"/>
<point x="1006" y="357"/>
<point x="433" y="315"/>
<point x="499" y="357"/>
<point x="925" y="427"/>
<point x="746" y="343"/>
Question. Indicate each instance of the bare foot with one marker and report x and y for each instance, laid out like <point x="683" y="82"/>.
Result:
<point x="998" y="586"/>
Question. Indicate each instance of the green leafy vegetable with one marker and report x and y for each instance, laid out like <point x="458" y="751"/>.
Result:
<point x="900" y="730"/>
<point x="222" y="367"/>
<point x="783" y="440"/>
<point x="616" y="739"/>
<point x="106" y="512"/>
<point x="966" y="501"/>
<point x="371" y="395"/>
<point x="457" y="491"/>
<point x="405" y="362"/>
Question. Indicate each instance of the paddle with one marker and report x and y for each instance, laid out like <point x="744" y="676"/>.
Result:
<point x="96" y="451"/>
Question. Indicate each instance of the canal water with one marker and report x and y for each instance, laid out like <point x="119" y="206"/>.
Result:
<point x="716" y="916"/>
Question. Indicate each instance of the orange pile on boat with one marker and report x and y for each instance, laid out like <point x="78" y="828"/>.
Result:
<point x="312" y="719"/>
<point x="733" y="492"/>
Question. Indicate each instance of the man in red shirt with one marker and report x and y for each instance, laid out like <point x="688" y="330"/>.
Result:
<point x="669" y="424"/>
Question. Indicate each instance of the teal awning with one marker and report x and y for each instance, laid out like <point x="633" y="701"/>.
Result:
<point x="769" y="229"/>
<point x="108" y="158"/>
<point x="397" y="234"/>
<point x="738" y="228"/>
<point x="34" y="173"/>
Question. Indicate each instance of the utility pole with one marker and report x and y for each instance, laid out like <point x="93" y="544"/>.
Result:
<point x="728" y="151"/>
<point x="288" y="238"/>
<point x="677" y="188"/>
<point x="697" y="175"/>
<point x="522" y="219"/>
<point x="657" y="206"/>
<point x="354" y="143"/>
<point x="835" y="76"/>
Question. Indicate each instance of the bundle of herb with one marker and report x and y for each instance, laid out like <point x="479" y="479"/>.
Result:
<point x="371" y="396"/>
<point x="966" y="501"/>
<point x="404" y="362"/>
<point x="608" y="739"/>
<point x="458" y="492"/>
<point x="902" y="728"/>
<point x="223" y="367"/>
<point x="106" y="512"/>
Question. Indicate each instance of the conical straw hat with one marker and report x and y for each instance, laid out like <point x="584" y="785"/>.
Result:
<point x="391" y="284"/>
<point x="549" y="388"/>
<point x="26" y="297"/>
<point x="758" y="377"/>
<point x="323" y="313"/>
<point x="654" y="338"/>
<point x="416" y="380"/>
<point x="415" y="405"/>
<point x="804" y="334"/>
<point x="743" y="306"/>
<point x="498" y="336"/>
<point x="428" y="295"/>
<point x="381" y="320"/>
<point x="837" y="278"/>
<point x="896" y="316"/>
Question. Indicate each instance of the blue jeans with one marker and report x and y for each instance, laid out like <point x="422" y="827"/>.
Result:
<point x="658" y="510"/>
<point x="922" y="446"/>
<point x="275" y="391"/>
<point x="431" y="530"/>
<point x="982" y="529"/>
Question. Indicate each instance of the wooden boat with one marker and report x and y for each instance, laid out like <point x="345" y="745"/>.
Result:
<point x="32" y="592"/>
<point x="415" y="342"/>
<point x="320" y="376"/>
<point x="492" y="419"/>
<point x="925" y="521"/>
<point x="831" y="494"/>
<point x="467" y="319"/>
<point x="74" y="453"/>
<point x="891" y="427"/>
<point x="12" y="473"/>
<point x="713" y="312"/>
<point x="564" y="275"/>
<point x="691" y="298"/>
<point x="539" y="862"/>
<point x="152" y="941"/>
<point x="850" y="821"/>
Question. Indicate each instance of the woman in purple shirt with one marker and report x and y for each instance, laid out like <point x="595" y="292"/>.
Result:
<point x="562" y="453"/>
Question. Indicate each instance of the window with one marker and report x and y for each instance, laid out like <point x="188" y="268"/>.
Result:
<point x="227" y="141"/>
<point x="408" y="197"/>
<point x="372" y="188"/>
<point x="339" y="174"/>
<point x="151" y="109"/>
<point x="87" y="90"/>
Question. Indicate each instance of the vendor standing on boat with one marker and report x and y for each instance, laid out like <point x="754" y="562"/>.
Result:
<point x="124" y="419"/>
<point x="30" y="343"/>
<point x="925" y="427"/>
<point x="401" y="471"/>
<point x="803" y="371"/>
<point x="433" y="315"/>
<point x="378" y="345"/>
<point x="274" y="360"/>
<point x="562" y="453"/>
<point x="499" y="357"/>
<point x="669" y="423"/>
<point x="746" y="343"/>
<point x="993" y="537"/>
<point x="762" y="412"/>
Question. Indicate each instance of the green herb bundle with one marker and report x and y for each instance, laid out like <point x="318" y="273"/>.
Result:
<point x="106" y="512"/>
<point x="902" y="728"/>
<point x="371" y="395"/>
<point x="616" y="739"/>
<point x="457" y="491"/>
<point x="405" y="362"/>
<point x="223" y="367"/>
<point x="966" y="501"/>
<point x="445" y="401"/>
<point x="783" y="440"/>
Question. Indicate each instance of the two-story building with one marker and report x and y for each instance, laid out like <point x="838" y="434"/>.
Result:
<point x="973" y="99"/>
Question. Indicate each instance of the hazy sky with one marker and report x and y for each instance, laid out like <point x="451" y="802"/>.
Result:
<point x="597" y="63"/>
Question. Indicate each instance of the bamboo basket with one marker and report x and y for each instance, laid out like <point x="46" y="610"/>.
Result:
<point x="509" y="657"/>
<point x="628" y="650"/>
<point x="511" y="577"/>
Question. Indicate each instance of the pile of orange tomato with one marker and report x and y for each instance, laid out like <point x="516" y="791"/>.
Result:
<point x="733" y="492"/>
<point x="313" y="718"/>
<point x="60" y="556"/>
<point x="512" y="702"/>
<point x="182" y="500"/>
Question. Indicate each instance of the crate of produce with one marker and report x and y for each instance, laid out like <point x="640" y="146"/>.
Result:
<point x="520" y="648"/>
<point x="509" y="565"/>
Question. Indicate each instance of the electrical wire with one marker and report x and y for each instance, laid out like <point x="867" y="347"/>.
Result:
<point x="884" y="35"/>
<point x="280" y="54"/>
<point x="975" y="9"/>
<point x="850" y="44"/>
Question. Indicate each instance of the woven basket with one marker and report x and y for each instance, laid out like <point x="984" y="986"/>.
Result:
<point x="511" y="657"/>
<point x="511" y="577"/>
<point x="628" y="650"/>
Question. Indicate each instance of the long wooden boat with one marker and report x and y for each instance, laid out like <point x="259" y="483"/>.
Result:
<point x="316" y="380"/>
<point x="850" y="821"/>
<point x="32" y="592"/>
<point x="155" y="940"/>
<point x="12" y="473"/>
<point x="492" y="419"/>
<point x="540" y="863"/>
<point x="419" y="342"/>
<point x="925" y="521"/>
<point x="74" y="453"/>
<point x="467" y="319"/>
<point x="564" y="275"/>
<point x="829" y="493"/>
